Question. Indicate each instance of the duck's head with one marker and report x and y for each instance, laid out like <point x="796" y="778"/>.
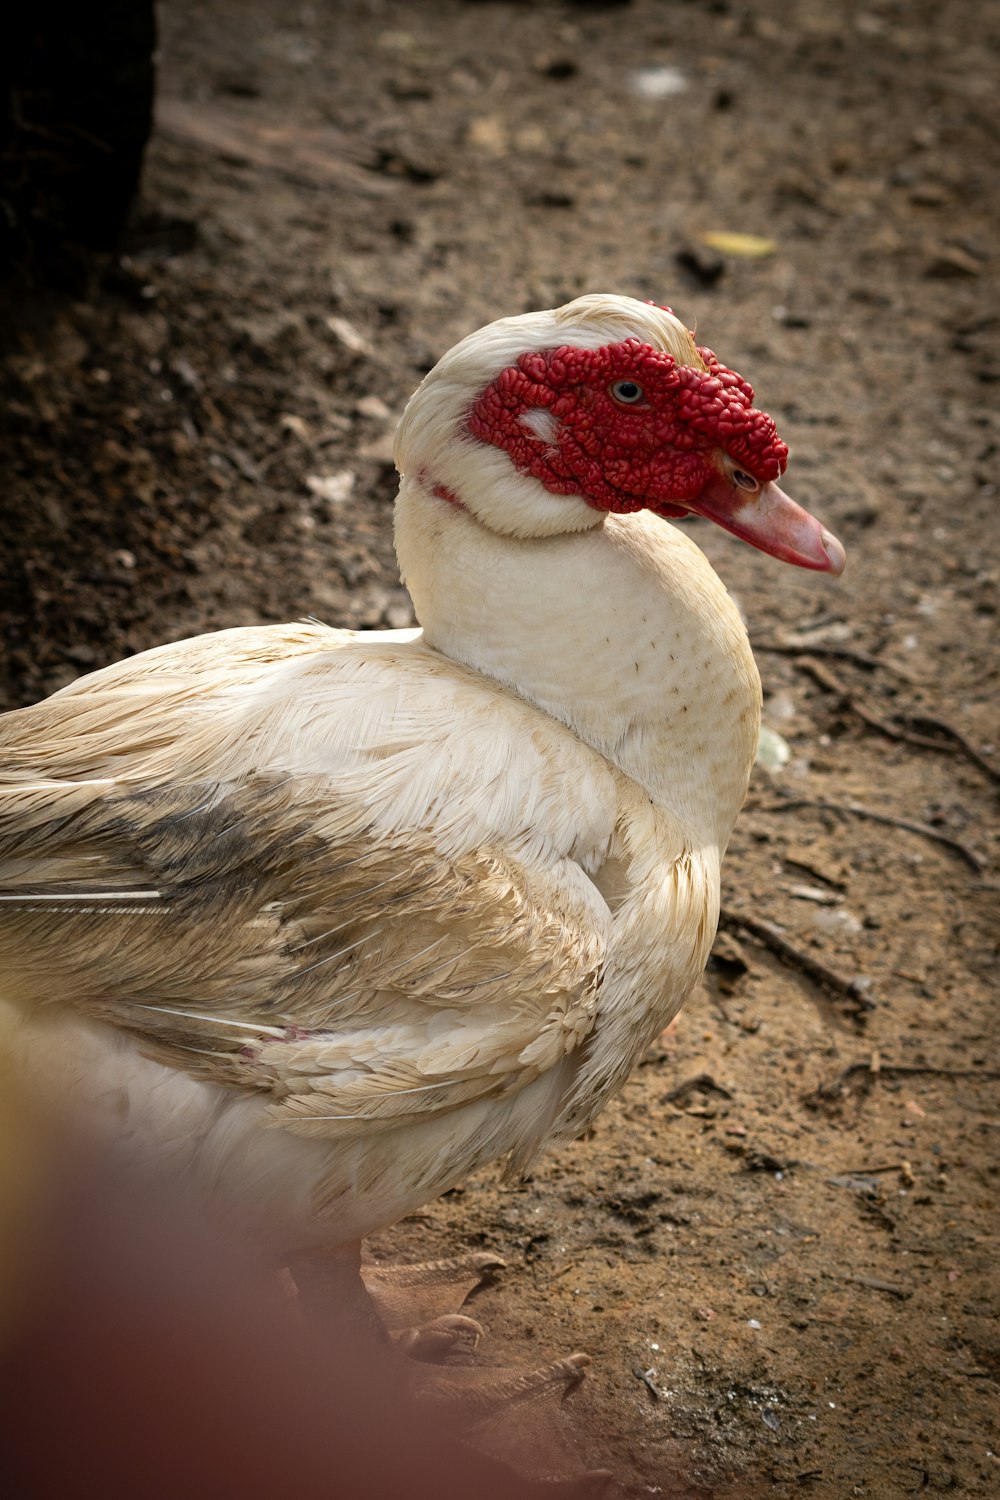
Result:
<point x="540" y="424"/>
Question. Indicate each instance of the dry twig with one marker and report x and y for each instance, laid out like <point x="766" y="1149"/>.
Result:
<point x="946" y="731"/>
<point x="878" y="1285"/>
<point x="917" y="1069"/>
<point x="852" y="990"/>
<point x="943" y="738"/>
<point x="838" y="653"/>
<point x="646" y="1376"/>
<point x="874" y="1068"/>
<point x="903" y="1167"/>
<point x="857" y="810"/>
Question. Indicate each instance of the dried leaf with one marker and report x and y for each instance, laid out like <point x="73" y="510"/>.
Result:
<point x="731" y="242"/>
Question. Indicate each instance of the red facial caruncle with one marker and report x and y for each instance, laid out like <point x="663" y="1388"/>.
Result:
<point x="626" y="425"/>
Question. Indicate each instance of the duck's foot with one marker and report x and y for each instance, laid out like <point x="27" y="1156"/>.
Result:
<point x="452" y="1339"/>
<point x="482" y="1393"/>
<point x="507" y="1415"/>
<point x="418" y="1305"/>
<point x="511" y="1416"/>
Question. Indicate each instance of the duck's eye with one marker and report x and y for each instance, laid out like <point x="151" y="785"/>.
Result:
<point x="626" y="391"/>
<point x="744" y="480"/>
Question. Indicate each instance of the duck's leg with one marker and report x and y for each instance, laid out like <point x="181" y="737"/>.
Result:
<point x="416" y="1306"/>
<point x="329" y="1291"/>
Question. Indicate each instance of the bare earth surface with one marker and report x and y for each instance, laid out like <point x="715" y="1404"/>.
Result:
<point x="779" y="1246"/>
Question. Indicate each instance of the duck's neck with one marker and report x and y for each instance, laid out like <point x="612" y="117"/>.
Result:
<point x="621" y="631"/>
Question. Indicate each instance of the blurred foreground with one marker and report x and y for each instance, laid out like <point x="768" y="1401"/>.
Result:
<point x="144" y="1353"/>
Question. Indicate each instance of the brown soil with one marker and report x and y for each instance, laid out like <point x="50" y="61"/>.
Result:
<point x="785" y="1270"/>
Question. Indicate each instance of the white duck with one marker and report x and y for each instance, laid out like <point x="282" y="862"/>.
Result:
<point x="335" y="917"/>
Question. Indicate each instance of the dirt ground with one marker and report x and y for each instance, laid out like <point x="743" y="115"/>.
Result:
<point x="779" y="1246"/>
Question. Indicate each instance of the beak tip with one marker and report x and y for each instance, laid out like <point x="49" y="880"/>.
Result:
<point x="835" y="553"/>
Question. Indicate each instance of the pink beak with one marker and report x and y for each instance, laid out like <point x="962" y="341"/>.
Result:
<point x="771" y="520"/>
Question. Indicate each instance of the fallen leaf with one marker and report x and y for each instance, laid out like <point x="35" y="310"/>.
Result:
<point x="731" y="242"/>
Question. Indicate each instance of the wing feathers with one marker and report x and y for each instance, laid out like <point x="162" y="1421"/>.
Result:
<point x="345" y="873"/>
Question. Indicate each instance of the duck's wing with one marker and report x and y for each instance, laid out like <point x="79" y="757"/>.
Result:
<point x="335" y="868"/>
